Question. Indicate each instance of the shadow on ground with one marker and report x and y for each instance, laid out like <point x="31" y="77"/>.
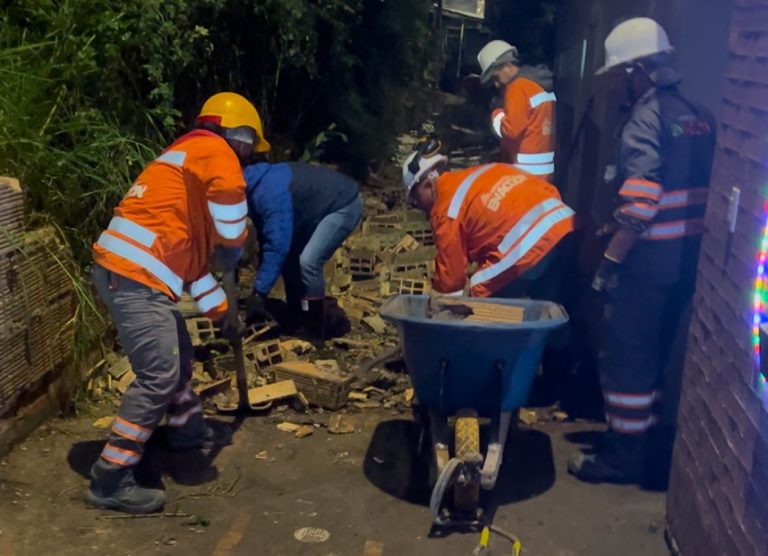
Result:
<point x="191" y="467"/>
<point x="395" y="464"/>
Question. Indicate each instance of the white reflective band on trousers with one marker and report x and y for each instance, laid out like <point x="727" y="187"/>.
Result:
<point x="674" y="230"/>
<point x="621" y="424"/>
<point x="462" y="190"/>
<point x="538" y="164"/>
<point x="138" y="256"/>
<point x="229" y="220"/>
<point x="630" y="401"/>
<point x="683" y="198"/>
<point x="524" y="235"/>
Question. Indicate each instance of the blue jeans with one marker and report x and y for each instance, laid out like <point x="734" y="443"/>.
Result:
<point x="303" y="275"/>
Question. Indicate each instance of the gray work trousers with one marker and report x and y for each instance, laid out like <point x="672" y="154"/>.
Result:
<point x="155" y="339"/>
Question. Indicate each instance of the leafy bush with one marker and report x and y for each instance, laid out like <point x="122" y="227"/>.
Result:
<point x="91" y="90"/>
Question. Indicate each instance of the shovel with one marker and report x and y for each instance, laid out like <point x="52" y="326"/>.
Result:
<point x="230" y="288"/>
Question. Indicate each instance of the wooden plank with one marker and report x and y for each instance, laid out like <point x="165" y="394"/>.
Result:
<point x="213" y="388"/>
<point x="271" y="392"/>
<point x="495" y="312"/>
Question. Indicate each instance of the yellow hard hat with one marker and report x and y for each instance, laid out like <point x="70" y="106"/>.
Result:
<point x="230" y="110"/>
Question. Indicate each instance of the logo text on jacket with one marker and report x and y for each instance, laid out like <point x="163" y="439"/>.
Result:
<point x="496" y="195"/>
<point x="137" y="190"/>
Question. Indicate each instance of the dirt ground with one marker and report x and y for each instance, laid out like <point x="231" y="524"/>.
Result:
<point x="251" y="498"/>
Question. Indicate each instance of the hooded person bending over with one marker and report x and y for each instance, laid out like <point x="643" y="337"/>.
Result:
<point x="303" y="213"/>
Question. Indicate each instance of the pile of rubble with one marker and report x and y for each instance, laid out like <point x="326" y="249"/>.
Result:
<point x="392" y="252"/>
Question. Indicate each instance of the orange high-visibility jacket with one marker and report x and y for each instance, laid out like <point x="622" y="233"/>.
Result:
<point x="189" y="199"/>
<point x="499" y="217"/>
<point x="526" y="127"/>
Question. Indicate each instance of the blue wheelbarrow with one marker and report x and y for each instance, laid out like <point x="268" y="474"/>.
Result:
<point x="464" y="371"/>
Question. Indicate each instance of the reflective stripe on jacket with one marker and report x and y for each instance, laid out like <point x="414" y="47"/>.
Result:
<point x="187" y="201"/>
<point x="526" y="127"/>
<point x="664" y="165"/>
<point x="494" y="215"/>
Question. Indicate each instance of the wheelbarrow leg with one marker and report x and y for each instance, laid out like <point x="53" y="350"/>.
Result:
<point x="439" y="427"/>
<point x="498" y="438"/>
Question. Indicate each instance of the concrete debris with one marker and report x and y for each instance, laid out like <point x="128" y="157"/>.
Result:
<point x="528" y="417"/>
<point x="125" y="381"/>
<point x="340" y="424"/>
<point x="330" y="365"/>
<point x="320" y="386"/>
<point x="349" y="343"/>
<point x="297" y="347"/>
<point x="542" y="415"/>
<point x="201" y="330"/>
<point x="272" y="392"/>
<point x="103" y="422"/>
<point x="367" y="405"/>
<point x="390" y="253"/>
<point x="299" y="431"/>
<point x="207" y="389"/>
<point x="375" y="323"/>
<point x="117" y="366"/>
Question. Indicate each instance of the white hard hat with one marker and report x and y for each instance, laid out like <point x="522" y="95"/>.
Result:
<point x="493" y="55"/>
<point x="426" y="165"/>
<point x="635" y="38"/>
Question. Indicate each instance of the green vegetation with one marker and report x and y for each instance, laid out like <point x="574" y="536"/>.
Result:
<point x="91" y="89"/>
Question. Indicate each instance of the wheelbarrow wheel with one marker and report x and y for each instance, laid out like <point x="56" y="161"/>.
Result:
<point x="466" y="497"/>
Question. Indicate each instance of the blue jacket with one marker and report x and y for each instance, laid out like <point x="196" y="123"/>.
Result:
<point x="270" y="206"/>
<point x="286" y="203"/>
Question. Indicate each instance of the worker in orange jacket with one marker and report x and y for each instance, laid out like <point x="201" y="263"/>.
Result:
<point x="526" y="123"/>
<point x="504" y="220"/>
<point x="185" y="205"/>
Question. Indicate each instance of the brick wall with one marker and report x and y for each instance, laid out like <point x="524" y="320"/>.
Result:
<point x="718" y="498"/>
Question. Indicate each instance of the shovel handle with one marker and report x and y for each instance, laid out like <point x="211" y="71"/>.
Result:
<point x="230" y="288"/>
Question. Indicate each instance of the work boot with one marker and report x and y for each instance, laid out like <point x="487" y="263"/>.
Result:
<point x="116" y="489"/>
<point x="336" y="321"/>
<point x="313" y="316"/>
<point x="618" y="460"/>
<point x="212" y="434"/>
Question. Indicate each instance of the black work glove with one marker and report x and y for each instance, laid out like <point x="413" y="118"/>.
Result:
<point x="606" y="277"/>
<point x="255" y="309"/>
<point x="232" y="331"/>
